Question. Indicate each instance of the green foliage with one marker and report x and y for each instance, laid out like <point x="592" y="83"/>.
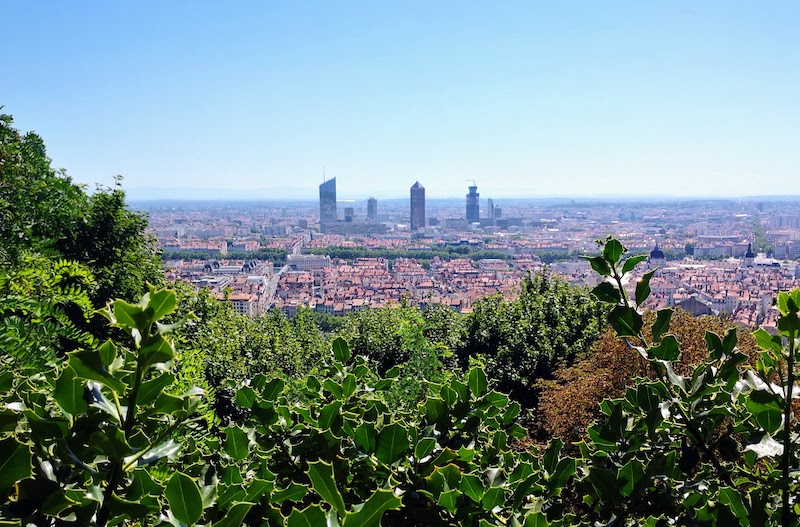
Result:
<point x="39" y="301"/>
<point x="276" y="256"/>
<point x="716" y="447"/>
<point x="412" y="343"/>
<point x="43" y="212"/>
<point x="222" y="349"/>
<point x="111" y="240"/>
<point x="36" y="201"/>
<point x="83" y="439"/>
<point x="340" y="454"/>
<point x="461" y="251"/>
<point x="520" y="341"/>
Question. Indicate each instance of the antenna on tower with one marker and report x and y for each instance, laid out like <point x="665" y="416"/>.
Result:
<point x="323" y="174"/>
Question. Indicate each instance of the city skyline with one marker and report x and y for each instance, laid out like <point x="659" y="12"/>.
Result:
<point x="530" y="99"/>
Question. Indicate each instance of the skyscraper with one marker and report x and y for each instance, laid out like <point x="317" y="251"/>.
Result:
<point x="327" y="201"/>
<point x="417" y="206"/>
<point x="372" y="209"/>
<point x="490" y="206"/>
<point x="473" y="206"/>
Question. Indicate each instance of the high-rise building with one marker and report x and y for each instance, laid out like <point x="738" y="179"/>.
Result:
<point x="327" y="201"/>
<point x="473" y="205"/>
<point x="490" y="206"/>
<point x="417" y="206"/>
<point x="372" y="209"/>
<point x="349" y="212"/>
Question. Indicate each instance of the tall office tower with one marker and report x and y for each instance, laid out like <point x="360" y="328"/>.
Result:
<point x="372" y="209"/>
<point x="349" y="212"/>
<point x="498" y="212"/>
<point x="491" y="207"/>
<point x="327" y="201"/>
<point x="473" y="206"/>
<point x="417" y="206"/>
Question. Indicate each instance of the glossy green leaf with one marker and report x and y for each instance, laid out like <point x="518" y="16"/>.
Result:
<point x="731" y="498"/>
<point x="424" y="447"/>
<point x="329" y="415"/>
<point x="392" y="443"/>
<point x="237" y="444"/>
<point x="126" y="314"/>
<point x="492" y="497"/>
<point x="661" y="325"/>
<point x="157" y="350"/>
<point x="632" y="262"/>
<point x="15" y="462"/>
<point x="477" y="381"/>
<point x="87" y="365"/>
<point x="668" y="349"/>
<point x="613" y="250"/>
<point x="340" y="350"/>
<point x="272" y="389"/>
<point x="349" y="385"/>
<point x="166" y="449"/>
<point x="434" y="409"/>
<point x="234" y="517"/>
<point x="449" y="499"/>
<point x="551" y="455"/>
<point x="372" y="511"/>
<point x="768" y="341"/>
<point x="564" y="470"/>
<point x="294" y="492"/>
<point x="607" y="292"/>
<point x="471" y="486"/>
<point x="311" y="516"/>
<point x="599" y="265"/>
<point x="183" y="496"/>
<point x="150" y="390"/>
<point x="630" y="474"/>
<point x="68" y="392"/>
<point x="365" y="437"/>
<point x="107" y="352"/>
<point x="643" y="287"/>
<point x="162" y="303"/>
<point x="626" y="321"/>
<point x="324" y="484"/>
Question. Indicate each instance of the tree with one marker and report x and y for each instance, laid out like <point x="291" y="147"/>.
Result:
<point x="43" y="211"/>
<point x="112" y="240"/>
<point x="520" y="341"/>
<point x="570" y="402"/>
<point x="37" y="202"/>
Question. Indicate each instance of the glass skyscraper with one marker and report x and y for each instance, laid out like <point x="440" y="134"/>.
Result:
<point x="327" y="201"/>
<point x="417" y="206"/>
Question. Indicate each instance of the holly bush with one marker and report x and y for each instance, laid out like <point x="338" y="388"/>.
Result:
<point x="88" y="440"/>
<point x="716" y="446"/>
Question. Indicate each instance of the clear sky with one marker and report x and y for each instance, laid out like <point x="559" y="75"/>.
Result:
<point x="252" y="99"/>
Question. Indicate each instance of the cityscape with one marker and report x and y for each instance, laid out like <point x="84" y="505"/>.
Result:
<point x="400" y="264"/>
<point x="339" y="256"/>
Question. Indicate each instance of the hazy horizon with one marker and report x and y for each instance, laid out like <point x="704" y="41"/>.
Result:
<point x="674" y="98"/>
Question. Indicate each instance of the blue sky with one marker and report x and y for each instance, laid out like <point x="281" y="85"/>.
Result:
<point x="252" y="99"/>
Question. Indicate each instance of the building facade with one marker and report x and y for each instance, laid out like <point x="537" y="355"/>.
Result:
<point x="473" y="205"/>
<point x="327" y="201"/>
<point x="372" y="209"/>
<point x="417" y="206"/>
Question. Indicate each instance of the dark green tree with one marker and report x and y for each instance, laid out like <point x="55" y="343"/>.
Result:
<point x="520" y="341"/>
<point x="37" y="202"/>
